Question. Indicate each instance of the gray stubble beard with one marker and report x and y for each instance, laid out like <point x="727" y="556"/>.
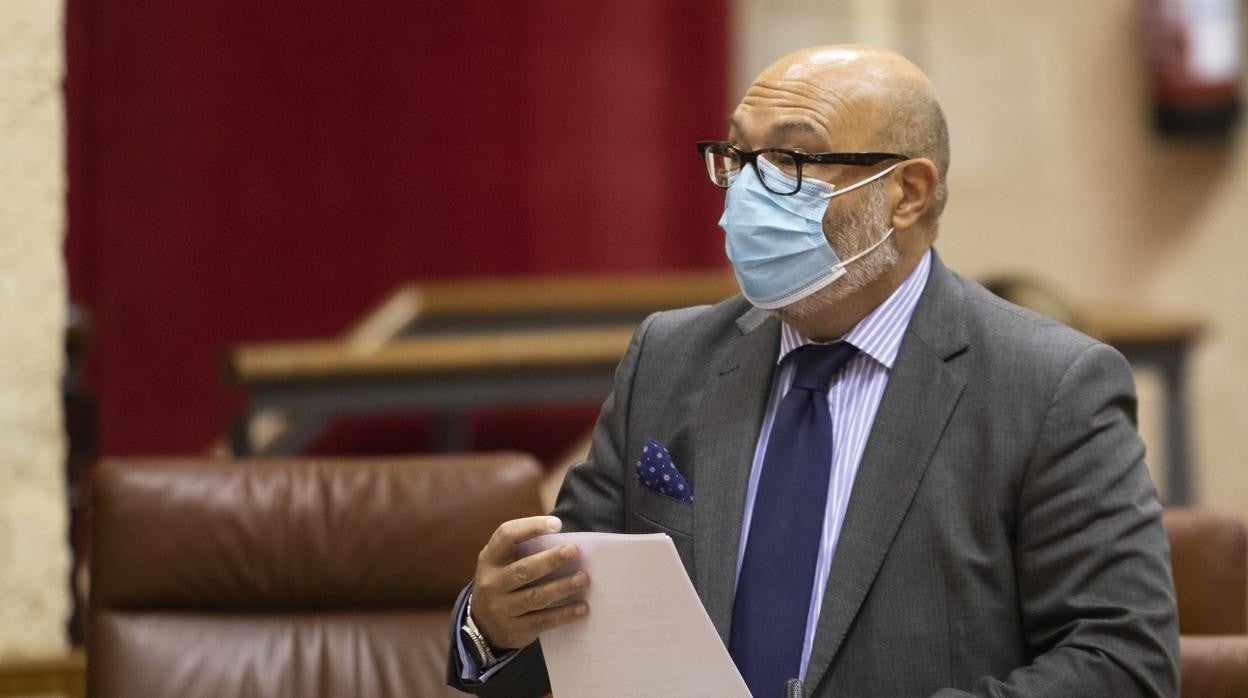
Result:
<point x="850" y="234"/>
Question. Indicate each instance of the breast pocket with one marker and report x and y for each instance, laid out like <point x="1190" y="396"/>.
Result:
<point x="652" y="512"/>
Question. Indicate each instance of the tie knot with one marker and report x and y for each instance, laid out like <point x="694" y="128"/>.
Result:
<point x="818" y="363"/>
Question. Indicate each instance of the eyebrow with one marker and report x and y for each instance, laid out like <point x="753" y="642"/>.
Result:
<point x="783" y="127"/>
<point x="790" y="126"/>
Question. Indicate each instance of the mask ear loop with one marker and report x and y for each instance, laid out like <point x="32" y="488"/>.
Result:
<point x="844" y="262"/>
<point x="866" y="181"/>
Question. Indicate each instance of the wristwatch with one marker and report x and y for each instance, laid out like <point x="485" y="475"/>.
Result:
<point x="476" y="640"/>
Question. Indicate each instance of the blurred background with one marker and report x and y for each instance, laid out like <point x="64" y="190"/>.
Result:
<point x="228" y="190"/>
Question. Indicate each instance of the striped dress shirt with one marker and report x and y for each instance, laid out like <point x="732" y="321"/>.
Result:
<point x="853" y="399"/>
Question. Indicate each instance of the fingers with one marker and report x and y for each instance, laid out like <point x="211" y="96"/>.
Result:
<point x="529" y="569"/>
<point x="502" y="546"/>
<point x="543" y="596"/>
<point x="512" y="600"/>
<point x="522" y="631"/>
<point x="541" y="621"/>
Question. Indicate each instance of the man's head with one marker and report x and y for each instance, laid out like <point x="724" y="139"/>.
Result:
<point x="856" y="99"/>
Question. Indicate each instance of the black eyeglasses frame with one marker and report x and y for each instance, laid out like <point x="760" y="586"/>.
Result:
<point x="800" y="158"/>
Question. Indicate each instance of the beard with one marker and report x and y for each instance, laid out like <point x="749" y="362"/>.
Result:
<point x="849" y="234"/>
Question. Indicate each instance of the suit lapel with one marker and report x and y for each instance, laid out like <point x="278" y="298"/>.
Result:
<point x="727" y="425"/>
<point x="921" y="394"/>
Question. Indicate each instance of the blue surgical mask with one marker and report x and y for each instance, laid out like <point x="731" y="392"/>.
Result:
<point x="776" y="243"/>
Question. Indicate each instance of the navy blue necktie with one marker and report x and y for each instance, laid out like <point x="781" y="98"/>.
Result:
<point x="778" y="570"/>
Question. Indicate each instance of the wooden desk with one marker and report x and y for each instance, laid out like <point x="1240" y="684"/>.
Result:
<point x="453" y="309"/>
<point x="312" y="382"/>
<point x="493" y="304"/>
<point x="451" y="373"/>
<point x="485" y="352"/>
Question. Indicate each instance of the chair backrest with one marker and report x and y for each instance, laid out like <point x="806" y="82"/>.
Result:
<point x="1209" y="553"/>
<point x="313" y="577"/>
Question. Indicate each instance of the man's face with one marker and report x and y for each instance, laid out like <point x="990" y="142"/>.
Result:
<point x="794" y="112"/>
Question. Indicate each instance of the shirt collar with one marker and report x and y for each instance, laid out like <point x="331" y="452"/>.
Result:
<point x="879" y="334"/>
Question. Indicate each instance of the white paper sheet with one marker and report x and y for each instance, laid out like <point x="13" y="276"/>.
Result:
<point x="646" y="634"/>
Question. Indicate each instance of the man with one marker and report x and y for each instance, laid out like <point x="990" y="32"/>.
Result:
<point x="901" y="484"/>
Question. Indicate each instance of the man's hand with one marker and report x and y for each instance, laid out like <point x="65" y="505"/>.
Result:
<point x="507" y="610"/>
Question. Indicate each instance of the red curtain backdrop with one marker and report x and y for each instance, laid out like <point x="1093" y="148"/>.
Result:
<point x="245" y="171"/>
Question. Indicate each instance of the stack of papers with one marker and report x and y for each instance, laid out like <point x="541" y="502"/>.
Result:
<point x="646" y="635"/>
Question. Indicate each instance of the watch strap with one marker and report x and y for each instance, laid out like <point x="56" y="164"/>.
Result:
<point x="476" y="639"/>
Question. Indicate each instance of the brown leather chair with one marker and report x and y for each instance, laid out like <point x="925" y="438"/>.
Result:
<point x="289" y="577"/>
<point x="1209" y="553"/>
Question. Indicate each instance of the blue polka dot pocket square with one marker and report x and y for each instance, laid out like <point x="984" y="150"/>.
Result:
<point x="658" y="473"/>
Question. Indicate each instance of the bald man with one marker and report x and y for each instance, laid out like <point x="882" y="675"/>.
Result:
<point x="901" y="484"/>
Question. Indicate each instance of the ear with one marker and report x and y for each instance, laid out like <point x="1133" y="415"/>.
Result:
<point x="913" y="188"/>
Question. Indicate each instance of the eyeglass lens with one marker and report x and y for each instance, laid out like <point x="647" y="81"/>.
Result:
<point x="724" y="163"/>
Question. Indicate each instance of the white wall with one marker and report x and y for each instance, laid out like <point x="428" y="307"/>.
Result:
<point x="1056" y="174"/>
<point x="34" y="557"/>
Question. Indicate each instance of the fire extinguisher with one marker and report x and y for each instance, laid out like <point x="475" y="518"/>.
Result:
<point x="1194" y="57"/>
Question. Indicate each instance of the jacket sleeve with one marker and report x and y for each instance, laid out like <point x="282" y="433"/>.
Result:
<point x="525" y="671"/>
<point x="1092" y="559"/>
<point x="592" y="499"/>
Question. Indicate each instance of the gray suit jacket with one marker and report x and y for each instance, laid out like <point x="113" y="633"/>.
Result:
<point x="1003" y="537"/>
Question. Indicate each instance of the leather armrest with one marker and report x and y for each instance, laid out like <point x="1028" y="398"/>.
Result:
<point x="1214" y="666"/>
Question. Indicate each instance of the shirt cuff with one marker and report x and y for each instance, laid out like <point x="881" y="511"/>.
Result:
<point x="470" y="671"/>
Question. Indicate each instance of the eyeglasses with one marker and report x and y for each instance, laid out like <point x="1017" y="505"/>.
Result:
<point x="724" y="161"/>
